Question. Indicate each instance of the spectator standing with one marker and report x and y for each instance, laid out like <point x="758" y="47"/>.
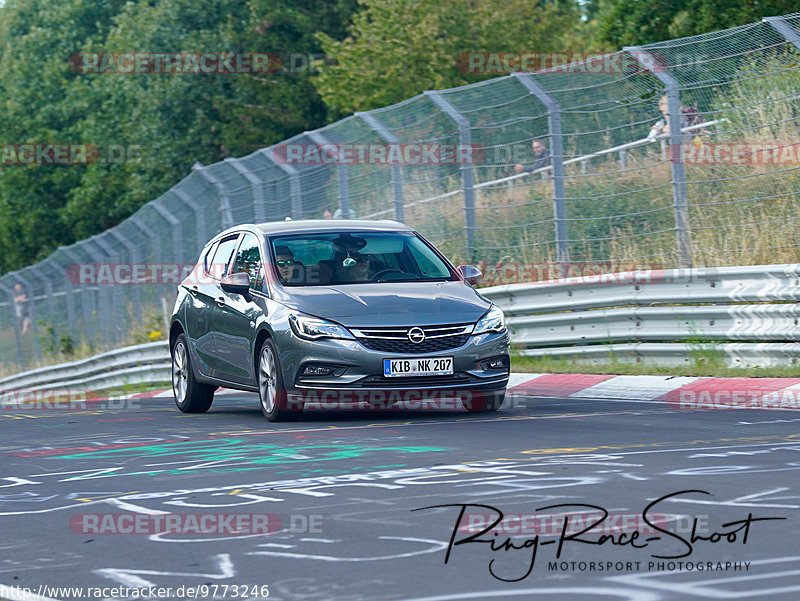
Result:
<point x="542" y="158"/>
<point x="22" y="309"/>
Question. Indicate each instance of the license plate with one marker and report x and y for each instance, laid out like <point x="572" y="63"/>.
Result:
<point x="429" y="366"/>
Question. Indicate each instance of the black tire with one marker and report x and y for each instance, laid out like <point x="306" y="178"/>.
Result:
<point x="271" y="392"/>
<point x="190" y="395"/>
<point x="485" y="402"/>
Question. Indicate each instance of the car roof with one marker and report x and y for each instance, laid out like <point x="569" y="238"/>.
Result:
<point x="327" y="225"/>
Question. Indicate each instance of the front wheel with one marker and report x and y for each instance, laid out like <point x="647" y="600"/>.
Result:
<point x="485" y="402"/>
<point x="271" y="393"/>
<point x="190" y="395"/>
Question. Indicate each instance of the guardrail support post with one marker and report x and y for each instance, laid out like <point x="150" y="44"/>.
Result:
<point x="341" y="176"/>
<point x="397" y="170"/>
<point x="557" y="161"/>
<point x="467" y="168"/>
<point x="679" y="191"/>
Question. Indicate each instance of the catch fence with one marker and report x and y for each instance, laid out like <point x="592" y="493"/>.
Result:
<point x="721" y="189"/>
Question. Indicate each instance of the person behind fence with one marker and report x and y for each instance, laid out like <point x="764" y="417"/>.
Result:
<point x="542" y="158"/>
<point x="690" y="116"/>
<point x="21" y="309"/>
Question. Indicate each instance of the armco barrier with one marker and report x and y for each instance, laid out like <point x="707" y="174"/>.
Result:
<point x="140" y="364"/>
<point x="746" y="315"/>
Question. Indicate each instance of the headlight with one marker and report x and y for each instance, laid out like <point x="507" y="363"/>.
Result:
<point x="493" y="321"/>
<point x="314" y="328"/>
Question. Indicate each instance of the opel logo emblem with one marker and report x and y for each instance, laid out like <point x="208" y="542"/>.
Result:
<point x="416" y="335"/>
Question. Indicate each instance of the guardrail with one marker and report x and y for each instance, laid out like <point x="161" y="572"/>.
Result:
<point x="744" y="315"/>
<point x="140" y="364"/>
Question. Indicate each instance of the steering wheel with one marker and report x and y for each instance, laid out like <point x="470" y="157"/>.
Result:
<point x="375" y="276"/>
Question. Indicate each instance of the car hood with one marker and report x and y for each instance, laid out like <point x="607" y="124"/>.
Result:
<point x="397" y="304"/>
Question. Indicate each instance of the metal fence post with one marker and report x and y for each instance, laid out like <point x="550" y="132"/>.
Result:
<point x="106" y="292"/>
<point x="341" y="176"/>
<point x="86" y="298"/>
<point x="397" y="170"/>
<point x="12" y="306"/>
<point x="557" y="162"/>
<point x="135" y="257"/>
<point x="780" y="25"/>
<point x="295" y="192"/>
<point x="257" y="186"/>
<point x="467" y="168"/>
<point x="177" y="232"/>
<point x="116" y="292"/>
<point x="69" y="295"/>
<point x="199" y="215"/>
<point x="48" y="292"/>
<point x="679" y="190"/>
<point x="224" y="201"/>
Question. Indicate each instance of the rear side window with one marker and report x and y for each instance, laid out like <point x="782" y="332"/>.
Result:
<point x="218" y="267"/>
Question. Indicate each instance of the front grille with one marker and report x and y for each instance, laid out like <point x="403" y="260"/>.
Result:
<point x="395" y="340"/>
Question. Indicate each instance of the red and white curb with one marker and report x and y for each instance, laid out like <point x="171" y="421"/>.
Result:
<point x="679" y="392"/>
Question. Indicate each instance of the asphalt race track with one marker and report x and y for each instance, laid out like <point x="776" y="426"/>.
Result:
<point x="323" y="508"/>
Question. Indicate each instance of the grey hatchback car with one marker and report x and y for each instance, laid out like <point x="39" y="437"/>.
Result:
<point x="343" y="311"/>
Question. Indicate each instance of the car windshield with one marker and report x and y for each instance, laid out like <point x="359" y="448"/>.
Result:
<point x="330" y="258"/>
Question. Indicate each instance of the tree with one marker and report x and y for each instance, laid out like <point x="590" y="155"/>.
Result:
<point x="36" y="42"/>
<point x="399" y="48"/>
<point x="636" y="22"/>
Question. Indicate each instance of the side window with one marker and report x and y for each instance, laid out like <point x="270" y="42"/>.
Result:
<point x="208" y="256"/>
<point x="248" y="260"/>
<point x="222" y="257"/>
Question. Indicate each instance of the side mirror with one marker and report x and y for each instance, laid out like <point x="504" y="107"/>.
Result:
<point x="472" y="274"/>
<point x="237" y="283"/>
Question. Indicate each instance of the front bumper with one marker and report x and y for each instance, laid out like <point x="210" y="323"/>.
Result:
<point x="357" y="368"/>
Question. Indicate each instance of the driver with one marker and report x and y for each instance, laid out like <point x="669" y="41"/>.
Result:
<point x="358" y="272"/>
<point x="349" y="264"/>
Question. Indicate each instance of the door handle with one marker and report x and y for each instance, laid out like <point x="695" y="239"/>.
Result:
<point x="221" y="301"/>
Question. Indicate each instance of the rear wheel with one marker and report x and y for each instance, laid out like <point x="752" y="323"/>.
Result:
<point x="190" y="395"/>
<point x="271" y="392"/>
<point x="485" y="402"/>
